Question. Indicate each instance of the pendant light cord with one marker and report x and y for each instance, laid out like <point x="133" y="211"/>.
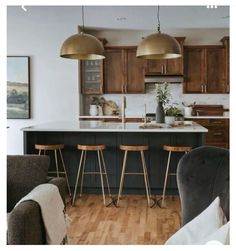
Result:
<point x="158" y="19"/>
<point x="83" y="18"/>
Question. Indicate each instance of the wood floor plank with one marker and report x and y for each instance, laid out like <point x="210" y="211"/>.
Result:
<point x="131" y="223"/>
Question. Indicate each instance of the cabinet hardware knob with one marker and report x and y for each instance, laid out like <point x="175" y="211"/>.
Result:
<point x="218" y="134"/>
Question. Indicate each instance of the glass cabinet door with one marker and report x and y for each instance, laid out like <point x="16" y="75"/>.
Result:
<point x="92" y="77"/>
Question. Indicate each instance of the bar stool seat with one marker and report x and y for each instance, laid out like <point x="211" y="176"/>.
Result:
<point x="55" y="148"/>
<point x="102" y="168"/>
<point x="171" y="149"/>
<point x="136" y="148"/>
<point x="177" y="148"/>
<point x="91" y="147"/>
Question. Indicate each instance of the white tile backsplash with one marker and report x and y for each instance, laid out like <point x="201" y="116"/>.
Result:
<point x="135" y="102"/>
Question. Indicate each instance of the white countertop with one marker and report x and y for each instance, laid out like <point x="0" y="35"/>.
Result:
<point x="107" y="116"/>
<point x="98" y="126"/>
<point x="207" y="117"/>
<point x="139" y="116"/>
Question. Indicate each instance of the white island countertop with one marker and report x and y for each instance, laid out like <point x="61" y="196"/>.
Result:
<point x="98" y="126"/>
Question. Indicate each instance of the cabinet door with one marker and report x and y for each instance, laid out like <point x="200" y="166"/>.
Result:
<point x="194" y="70"/>
<point x="135" y="73"/>
<point x="167" y="66"/>
<point x="225" y="41"/>
<point x="215" y="72"/>
<point x="114" y="71"/>
<point x="156" y="66"/>
<point x="175" y="66"/>
<point x="91" y="76"/>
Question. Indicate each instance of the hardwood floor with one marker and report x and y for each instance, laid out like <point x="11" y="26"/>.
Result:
<point x="132" y="223"/>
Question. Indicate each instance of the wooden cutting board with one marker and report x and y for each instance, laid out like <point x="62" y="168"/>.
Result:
<point x="208" y="110"/>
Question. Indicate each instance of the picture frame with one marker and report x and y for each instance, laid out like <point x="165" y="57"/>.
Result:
<point x="18" y="87"/>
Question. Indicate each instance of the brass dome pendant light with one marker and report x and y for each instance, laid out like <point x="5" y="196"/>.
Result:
<point x="82" y="46"/>
<point x="159" y="45"/>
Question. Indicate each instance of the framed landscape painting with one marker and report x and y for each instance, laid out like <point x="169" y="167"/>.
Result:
<point x="18" y="87"/>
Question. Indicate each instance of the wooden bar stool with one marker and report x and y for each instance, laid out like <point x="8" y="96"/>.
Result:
<point x="171" y="149"/>
<point x="102" y="168"/>
<point x="55" y="148"/>
<point x="140" y="149"/>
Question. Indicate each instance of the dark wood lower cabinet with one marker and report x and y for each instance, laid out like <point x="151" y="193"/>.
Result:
<point x="218" y="131"/>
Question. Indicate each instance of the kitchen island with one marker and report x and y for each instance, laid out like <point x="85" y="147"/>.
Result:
<point x="71" y="133"/>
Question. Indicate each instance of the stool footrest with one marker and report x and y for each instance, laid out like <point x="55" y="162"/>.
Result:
<point x="94" y="173"/>
<point x="135" y="173"/>
<point x="55" y="172"/>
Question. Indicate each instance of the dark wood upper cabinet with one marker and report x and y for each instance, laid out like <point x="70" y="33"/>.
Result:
<point x="225" y="41"/>
<point x="124" y="72"/>
<point x="215" y="73"/>
<point x="194" y="70"/>
<point x="114" y="70"/>
<point x="167" y="66"/>
<point x="135" y="72"/>
<point x="91" y="76"/>
<point x="204" y="69"/>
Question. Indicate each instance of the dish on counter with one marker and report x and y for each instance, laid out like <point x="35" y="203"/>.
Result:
<point x="182" y="123"/>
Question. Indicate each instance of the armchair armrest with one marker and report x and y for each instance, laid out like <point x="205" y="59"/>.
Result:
<point x="61" y="184"/>
<point x="25" y="224"/>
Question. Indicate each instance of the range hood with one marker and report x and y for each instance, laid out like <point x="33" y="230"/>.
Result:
<point x="149" y="79"/>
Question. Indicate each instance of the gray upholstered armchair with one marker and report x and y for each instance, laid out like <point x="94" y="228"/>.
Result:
<point x="25" y="172"/>
<point x="202" y="175"/>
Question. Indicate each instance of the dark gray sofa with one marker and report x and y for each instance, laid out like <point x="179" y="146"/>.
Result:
<point x="202" y="175"/>
<point x="25" y="172"/>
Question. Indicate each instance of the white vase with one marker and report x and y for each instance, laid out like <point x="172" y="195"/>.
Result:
<point x="169" y="119"/>
<point x="93" y="110"/>
<point x="187" y="111"/>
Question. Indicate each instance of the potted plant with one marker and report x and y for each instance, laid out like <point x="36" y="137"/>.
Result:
<point x="171" y="113"/>
<point x="162" y="96"/>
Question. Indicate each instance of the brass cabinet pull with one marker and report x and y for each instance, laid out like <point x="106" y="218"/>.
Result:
<point x="218" y="134"/>
<point x="205" y="88"/>
<point x="227" y="88"/>
<point x="202" y="87"/>
<point x="162" y="69"/>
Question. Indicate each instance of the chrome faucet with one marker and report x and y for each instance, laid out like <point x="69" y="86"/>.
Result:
<point x="123" y="107"/>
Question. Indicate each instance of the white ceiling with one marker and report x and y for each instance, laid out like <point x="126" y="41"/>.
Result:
<point x="132" y="17"/>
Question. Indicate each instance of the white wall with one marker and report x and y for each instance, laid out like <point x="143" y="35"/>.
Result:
<point x="54" y="80"/>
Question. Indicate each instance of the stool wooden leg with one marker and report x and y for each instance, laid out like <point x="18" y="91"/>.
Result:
<point x="63" y="164"/>
<point x="145" y="177"/>
<point x="77" y="178"/>
<point x="122" y="177"/>
<point x="101" y="175"/>
<point x="39" y="152"/>
<point x="105" y="171"/>
<point x="165" y="182"/>
<point x="55" y="154"/>
<point x="82" y="174"/>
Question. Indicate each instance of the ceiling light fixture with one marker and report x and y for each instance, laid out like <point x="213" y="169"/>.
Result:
<point x="159" y="45"/>
<point x="82" y="46"/>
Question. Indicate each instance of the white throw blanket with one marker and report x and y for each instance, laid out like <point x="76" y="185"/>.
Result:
<point x="52" y="206"/>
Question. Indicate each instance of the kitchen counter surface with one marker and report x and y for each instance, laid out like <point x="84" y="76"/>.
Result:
<point x="107" y="116"/>
<point x="207" y="117"/>
<point x="98" y="126"/>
